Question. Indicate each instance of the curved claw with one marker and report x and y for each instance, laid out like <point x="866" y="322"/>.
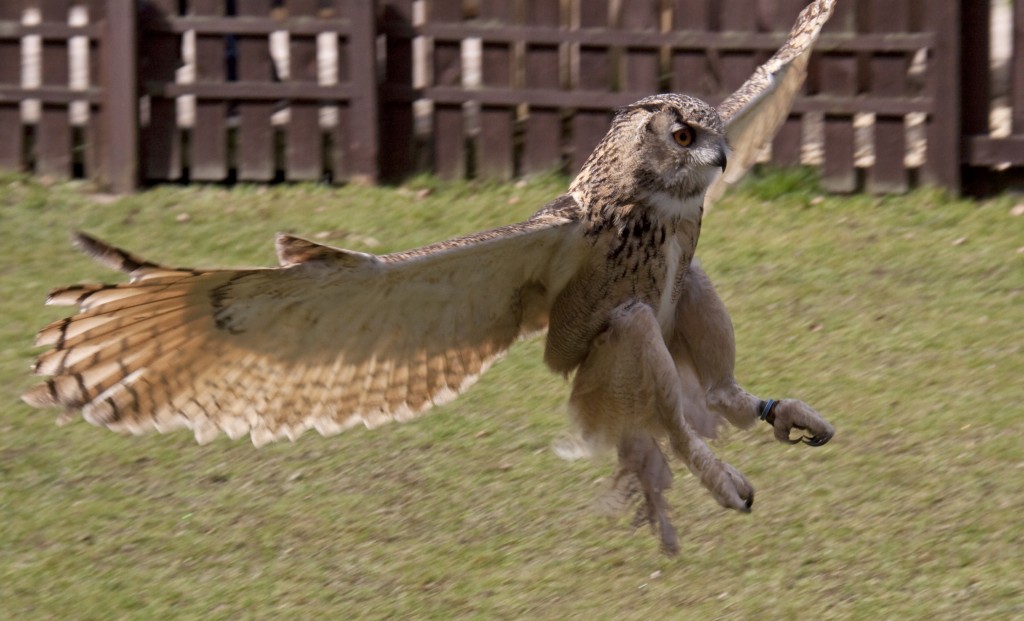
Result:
<point x="809" y="438"/>
<point x="816" y="440"/>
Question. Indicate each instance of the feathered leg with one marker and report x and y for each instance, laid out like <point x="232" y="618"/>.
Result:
<point x="643" y="471"/>
<point x="704" y="348"/>
<point x="627" y="393"/>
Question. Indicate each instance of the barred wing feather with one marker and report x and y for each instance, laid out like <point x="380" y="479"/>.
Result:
<point x="330" y="339"/>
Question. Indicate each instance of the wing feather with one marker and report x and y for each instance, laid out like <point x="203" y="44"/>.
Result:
<point x="330" y="339"/>
<point x="754" y="113"/>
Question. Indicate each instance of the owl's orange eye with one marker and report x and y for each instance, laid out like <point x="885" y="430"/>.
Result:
<point x="684" y="136"/>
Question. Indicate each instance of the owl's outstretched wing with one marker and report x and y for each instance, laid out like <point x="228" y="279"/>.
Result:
<point x="754" y="113"/>
<point x="329" y="339"/>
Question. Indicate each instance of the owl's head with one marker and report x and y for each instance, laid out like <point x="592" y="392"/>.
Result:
<point x="663" y="143"/>
<point x="680" y="141"/>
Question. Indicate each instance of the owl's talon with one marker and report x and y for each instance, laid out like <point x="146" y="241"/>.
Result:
<point x="730" y="488"/>
<point x="790" y="414"/>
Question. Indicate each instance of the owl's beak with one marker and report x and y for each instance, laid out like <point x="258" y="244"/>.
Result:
<point x="723" y="160"/>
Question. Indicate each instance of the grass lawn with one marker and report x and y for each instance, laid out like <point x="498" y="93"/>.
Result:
<point x="899" y="318"/>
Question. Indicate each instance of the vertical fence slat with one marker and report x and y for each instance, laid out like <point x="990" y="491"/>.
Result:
<point x="255" y="151"/>
<point x="10" y="75"/>
<point x="160" y="55"/>
<point x="208" y="149"/>
<point x="736" y="67"/>
<point x="53" y="138"/>
<point x="341" y="153"/>
<point x="593" y="74"/>
<point x="640" y="66"/>
<point x="120" y="98"/>
<point x="975" y="80"/>
<point x="888" y="76"/>
<point x="303" y="142"/>
<point x="364" y="135"/>
<point x="542" y="140"/>
<point x="449" y="126"/>
<point x="942" y="164"/>
<point x="787" y="146"/>
<point x="494" y="150"/>
<point x="975" y="85"/>
<point x="839" y="78"/>
<point x="95" y="155"/>
<point x="396" y="114"/>
<point x="689" y="69"/>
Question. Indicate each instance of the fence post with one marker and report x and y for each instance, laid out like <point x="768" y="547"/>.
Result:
<point x="396" y="123"/>
<point x="450" y="157"/>
<point x="363" y="110"/>
<point x="839" y="79"/>
<point x="10" y="111"/>
<point x="53" y="133"/>
<point x="120" y="134"/>
<point x="888" y="78"/>
<point x="254" y="142"/>
<point x="944" y="157"/>
<point x="208" y="148"/>
<point x="495" y="152"/>
<point x="542" y="138"/>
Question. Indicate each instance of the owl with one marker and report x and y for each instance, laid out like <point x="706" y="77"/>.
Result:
<point x="332" y="338"/>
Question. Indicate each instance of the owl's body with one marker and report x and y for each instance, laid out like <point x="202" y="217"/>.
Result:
<point x="640" y="196"/>
<point x="332" y="338"/>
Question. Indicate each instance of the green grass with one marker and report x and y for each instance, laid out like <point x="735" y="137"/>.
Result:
<point x="899" y="318"/>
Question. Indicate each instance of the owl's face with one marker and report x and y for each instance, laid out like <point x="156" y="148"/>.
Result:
<point x="664" y="149"/>
<point x="680" y="147"/>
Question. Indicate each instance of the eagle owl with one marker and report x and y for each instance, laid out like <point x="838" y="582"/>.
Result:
<point x="333" y="338"/>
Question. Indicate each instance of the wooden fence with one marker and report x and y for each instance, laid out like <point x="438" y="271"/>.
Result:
<point x="130" y="92"/>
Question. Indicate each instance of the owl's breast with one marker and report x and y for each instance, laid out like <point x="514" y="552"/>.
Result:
<point x="675" y="270"/>
<point x="640" y="262"/>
